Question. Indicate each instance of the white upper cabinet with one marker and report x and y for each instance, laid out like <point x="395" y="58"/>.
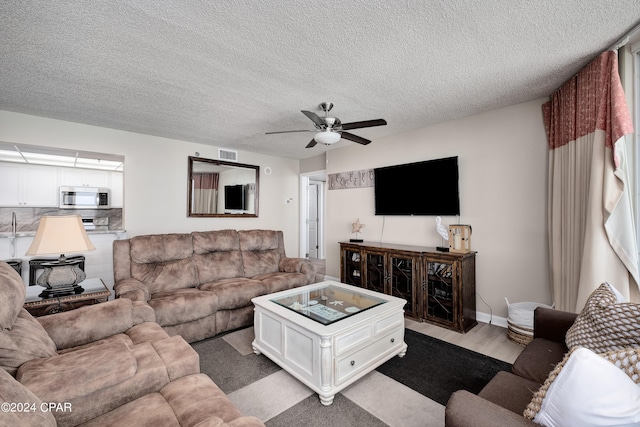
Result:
<point x="84" y="177"/>
<point x="27" y="185"/>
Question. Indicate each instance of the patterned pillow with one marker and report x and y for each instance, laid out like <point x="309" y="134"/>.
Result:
<point x="606" y="324"/>
<point x="628" y="360"/>
<point x="586" y="389"/>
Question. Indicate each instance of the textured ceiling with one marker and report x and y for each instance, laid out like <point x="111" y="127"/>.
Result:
<point x="225" y="72"/>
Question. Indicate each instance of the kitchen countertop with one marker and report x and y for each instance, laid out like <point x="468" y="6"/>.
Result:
<point x="9" y="235"/>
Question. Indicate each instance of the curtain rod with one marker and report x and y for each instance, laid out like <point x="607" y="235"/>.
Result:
<point x="625" y="39"/>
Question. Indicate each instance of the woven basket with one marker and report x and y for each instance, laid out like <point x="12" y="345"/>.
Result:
<point x="518" y="334"/>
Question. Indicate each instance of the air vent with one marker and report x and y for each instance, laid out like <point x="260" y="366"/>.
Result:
<point x="228" y="155"/>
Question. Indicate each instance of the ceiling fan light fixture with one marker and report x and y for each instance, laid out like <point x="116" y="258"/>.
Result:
<point x="327" y="137"/>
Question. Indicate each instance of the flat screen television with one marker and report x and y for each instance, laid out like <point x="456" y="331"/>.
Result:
<point x="423" y="188"/>
<point x="234" y="197"/>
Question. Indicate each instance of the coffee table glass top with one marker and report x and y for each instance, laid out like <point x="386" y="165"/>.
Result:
<point x="328" y="304"/>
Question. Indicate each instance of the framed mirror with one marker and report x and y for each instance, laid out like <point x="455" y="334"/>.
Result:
<point x="217" y="188"/>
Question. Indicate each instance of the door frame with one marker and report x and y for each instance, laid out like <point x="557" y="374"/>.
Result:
<point x="305" y="178"/>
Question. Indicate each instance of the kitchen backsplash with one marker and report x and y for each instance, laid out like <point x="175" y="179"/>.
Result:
<point x="27" y="219"/>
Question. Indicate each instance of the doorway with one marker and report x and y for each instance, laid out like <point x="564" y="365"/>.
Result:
<point x="312" y="186"/>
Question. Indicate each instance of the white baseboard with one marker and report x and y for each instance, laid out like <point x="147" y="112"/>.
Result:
<point x="493" y="320"/>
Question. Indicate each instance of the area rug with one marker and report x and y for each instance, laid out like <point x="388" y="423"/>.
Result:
<point x="430" y="372"/>
<point x="436" y="369"/>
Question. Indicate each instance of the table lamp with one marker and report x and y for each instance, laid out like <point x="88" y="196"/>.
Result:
<point x="60" y="235"/>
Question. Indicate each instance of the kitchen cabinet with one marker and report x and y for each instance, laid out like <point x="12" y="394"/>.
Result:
<point x="439" y="287"/>
<point x="84" y="177"/>
<point x="116" y="184"/>
<point x="28" y="185"/>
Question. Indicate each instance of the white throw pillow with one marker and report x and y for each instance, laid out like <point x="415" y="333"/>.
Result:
<point x="590" y="391"/>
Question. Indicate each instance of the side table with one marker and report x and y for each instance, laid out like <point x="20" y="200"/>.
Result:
<point x="95" y="291"/>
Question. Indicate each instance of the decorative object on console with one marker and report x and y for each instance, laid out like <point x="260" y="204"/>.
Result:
<point x="357" y="228"/>
<point x="443" y="231"/>
<point x="460" y="238"/>
<point x="60" y="235"/>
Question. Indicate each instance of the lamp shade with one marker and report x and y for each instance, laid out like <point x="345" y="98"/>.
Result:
<point x="59" y="235"/>
<point x="327" y="137"/>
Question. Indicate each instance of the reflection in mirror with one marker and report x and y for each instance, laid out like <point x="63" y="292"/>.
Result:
<point x="222" y="189"/>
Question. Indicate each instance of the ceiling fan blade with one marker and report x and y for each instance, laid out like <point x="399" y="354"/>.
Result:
<point x="290" y="131"/>
<point x="355" y="138"/>
<point x="315" y="118"/>
<point x="364" y="124"/>
<point x="311" y="144"/>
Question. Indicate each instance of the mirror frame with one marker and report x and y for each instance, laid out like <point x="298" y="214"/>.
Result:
<point x="221" y="163"/>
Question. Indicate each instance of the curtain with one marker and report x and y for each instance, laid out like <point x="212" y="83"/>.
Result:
<point x="590" y="221"/>
<point x="205" y="192"/>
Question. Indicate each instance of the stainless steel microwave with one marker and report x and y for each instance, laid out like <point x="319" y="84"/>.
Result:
<point x="84" y="198"/>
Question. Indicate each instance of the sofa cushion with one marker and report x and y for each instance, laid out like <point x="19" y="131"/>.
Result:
<point x="586" y="390"/>
<point x="12" y="392"/>
<point x="195" y="398"/>
<point x="509" y="391"/>
<point x="261" y="252"/>
<point x="538" y="358"/>
<point x="280" y="281"/>
<point x="13" y="290"/>
<point x="182" y="305"/>
<point x="26" y="340"/>
<point x="79" y="373"/>
<point x="605" y="323"/>
<point x="163" y="261"/>
<point x="234" y="293"/>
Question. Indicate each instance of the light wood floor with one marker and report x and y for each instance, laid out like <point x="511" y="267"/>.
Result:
<point x="487" y="339"/>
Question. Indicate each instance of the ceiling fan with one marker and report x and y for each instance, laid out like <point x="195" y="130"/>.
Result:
<point x="330" y="130"/>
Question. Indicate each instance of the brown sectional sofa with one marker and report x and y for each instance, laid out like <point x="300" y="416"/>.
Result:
<point x="105" y="364"/>
<point x="503" y="400"/>
<point x="200" y="284"/>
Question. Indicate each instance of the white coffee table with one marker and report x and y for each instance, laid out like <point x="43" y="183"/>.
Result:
<point x="328" y="334"/>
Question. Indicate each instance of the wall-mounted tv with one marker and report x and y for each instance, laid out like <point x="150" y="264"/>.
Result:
<point x="234" y="197"/>
<point x="423" y="188"/>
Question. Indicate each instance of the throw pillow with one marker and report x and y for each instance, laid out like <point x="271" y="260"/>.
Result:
<point x="627" y="360"/>
<point x="605" y="323"/>
<point x="586" y="390"/>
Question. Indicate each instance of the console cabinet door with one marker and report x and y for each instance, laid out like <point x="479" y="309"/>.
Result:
<point x="351" y="266"/>
<point x="376" y="271"/>
<point x="403" y="279"/>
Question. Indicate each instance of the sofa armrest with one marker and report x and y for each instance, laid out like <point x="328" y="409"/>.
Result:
<point x="465" y="409"/>
<point x="552" y="324"/>
<point x="298" y="265"/>
<point x="89" y="323"/>
<point x="132" y="289"/>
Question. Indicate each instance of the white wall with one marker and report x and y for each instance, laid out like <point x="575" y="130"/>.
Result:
<point x="502" y="157"/>
<point x="155" y="176"/>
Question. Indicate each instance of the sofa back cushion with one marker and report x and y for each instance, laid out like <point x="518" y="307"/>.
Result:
<point x="163" y="261"/>
<point x="261" y="251"/>
<point x="26" y="340"/>
<point x="216" y="255"/>
<point x="12" y="292"/>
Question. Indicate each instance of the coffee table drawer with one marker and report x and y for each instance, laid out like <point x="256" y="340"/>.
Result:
<point x="352" y="364"/>
<point x="356" y="337"/>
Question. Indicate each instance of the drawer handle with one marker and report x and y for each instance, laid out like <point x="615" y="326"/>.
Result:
<point x="353" y="362"/>
<point x="393" y="340"/>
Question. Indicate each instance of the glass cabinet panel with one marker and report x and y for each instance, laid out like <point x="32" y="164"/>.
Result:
<point x="376" y="278"/>
<point x="402" y="277"/>
<point x="352" y="268"/>
<point x="440" y="291"/>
